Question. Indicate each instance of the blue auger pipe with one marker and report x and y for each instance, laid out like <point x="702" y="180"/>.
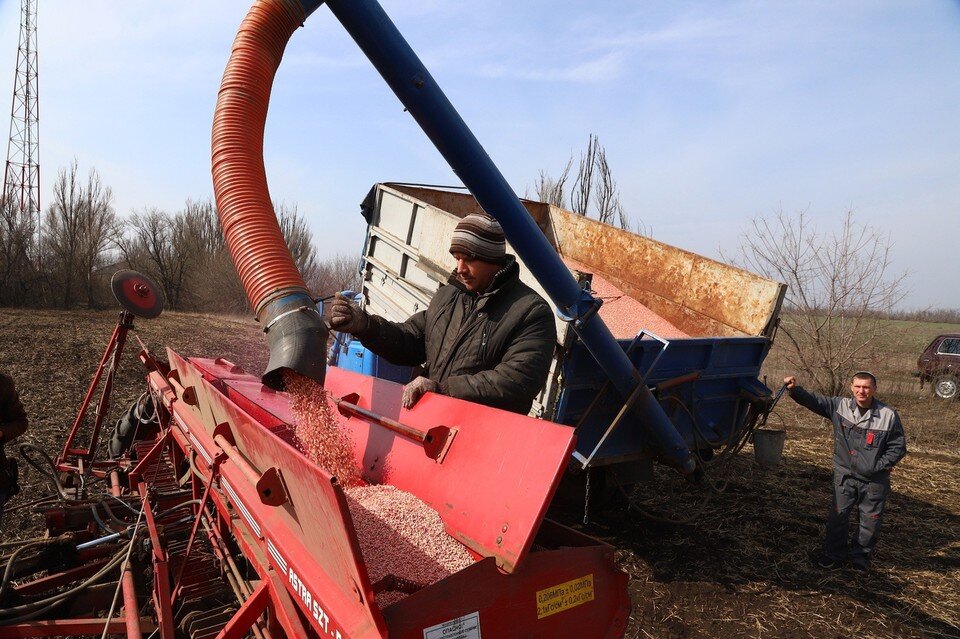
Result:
<point x="382" y="43"/>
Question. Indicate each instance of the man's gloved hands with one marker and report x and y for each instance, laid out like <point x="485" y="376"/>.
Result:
<point x="347" y="316"/>
<point x="415" y="390"/>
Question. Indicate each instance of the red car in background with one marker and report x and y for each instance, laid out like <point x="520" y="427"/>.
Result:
<point x="940" y="365"/>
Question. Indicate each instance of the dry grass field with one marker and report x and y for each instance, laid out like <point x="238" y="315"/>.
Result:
<point x="740" y="568"/>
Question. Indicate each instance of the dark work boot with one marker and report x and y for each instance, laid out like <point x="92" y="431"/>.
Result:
<point x="860" y="563"/>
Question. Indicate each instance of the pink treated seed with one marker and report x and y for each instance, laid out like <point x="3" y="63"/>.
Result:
<point x="622" y="314"/>
<point x="398" y="533"/>
<point x="320" y="434"/>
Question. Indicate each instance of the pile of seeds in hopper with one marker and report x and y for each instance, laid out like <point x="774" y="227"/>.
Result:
<point x="399" y="535"/>
<point x="402" y="536"/>
<point x="319" y="432"/>
<point x="622" y="314"/>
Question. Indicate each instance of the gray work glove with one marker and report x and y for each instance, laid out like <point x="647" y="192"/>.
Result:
<point x="415" y="390"/>
<point x="347" y="316"/>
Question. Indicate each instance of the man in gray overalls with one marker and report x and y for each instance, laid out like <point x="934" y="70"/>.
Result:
<point x="868" y="441"/>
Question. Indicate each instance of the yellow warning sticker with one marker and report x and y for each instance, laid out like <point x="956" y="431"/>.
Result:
<point x="564" y="596"/>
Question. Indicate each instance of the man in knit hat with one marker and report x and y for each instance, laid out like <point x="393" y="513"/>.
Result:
<point x="486" y="337"/>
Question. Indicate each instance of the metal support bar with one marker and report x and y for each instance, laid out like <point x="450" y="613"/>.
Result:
<point x="616" y="420"/>
<point x="249" y="612"/>
<point x="656" y="360"/>
<point x="152" y="457"/>
<point x="131" y="611"/>
<point x="435" y="441"/>
<point x="162" y="596"/>
<point x="284" y="611"/>
<point x="269" y="484"/>
<point x="214" y="471"/>
<point x="624" y="409"/>
<point x="235" y="578"/>
<point x="113" y="351"/>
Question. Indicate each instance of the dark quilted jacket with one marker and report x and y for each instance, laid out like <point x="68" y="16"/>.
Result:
<point x="494" y="348"/>
<point x="13" y="419"/>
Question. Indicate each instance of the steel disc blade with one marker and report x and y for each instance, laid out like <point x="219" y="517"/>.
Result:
<point x="137" y="293"/>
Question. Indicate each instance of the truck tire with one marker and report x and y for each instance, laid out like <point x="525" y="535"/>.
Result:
<point x="945" y="386"/>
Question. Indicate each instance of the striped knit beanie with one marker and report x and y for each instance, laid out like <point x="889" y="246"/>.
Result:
<point x="480" y="235"/>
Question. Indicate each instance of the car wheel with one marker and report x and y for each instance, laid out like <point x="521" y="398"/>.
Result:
<point x="945" y="386"/>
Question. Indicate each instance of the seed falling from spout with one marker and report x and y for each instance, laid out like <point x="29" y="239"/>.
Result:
<point x="320" y="433"/>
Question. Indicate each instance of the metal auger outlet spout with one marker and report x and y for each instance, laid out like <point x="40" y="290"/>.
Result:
<point x="297" y="338"/>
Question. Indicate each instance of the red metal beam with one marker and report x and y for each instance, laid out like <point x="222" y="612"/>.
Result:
<point x="162" y="598"/>
<point x="249" y="612"/>
<point x="92" y="626"/>
<point x="58" y="579"/>
<point x="113" y="351"/>
<point x="130" y="607"/>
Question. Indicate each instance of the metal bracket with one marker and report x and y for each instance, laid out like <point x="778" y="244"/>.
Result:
<point x="585" y="461"/>
<point x="436" y="441"/>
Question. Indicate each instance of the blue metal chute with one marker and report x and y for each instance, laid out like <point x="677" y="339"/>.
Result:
<point x="374" y="32"/>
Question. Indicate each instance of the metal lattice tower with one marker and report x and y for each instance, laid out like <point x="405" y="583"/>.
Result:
<point x="21" y="179"/>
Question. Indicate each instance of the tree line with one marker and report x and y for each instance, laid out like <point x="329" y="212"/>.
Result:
<point x="66" y="259"/>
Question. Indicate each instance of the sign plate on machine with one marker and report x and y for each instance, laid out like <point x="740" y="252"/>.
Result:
<point x="564" y="596"/>
<point x="465" y="627"/>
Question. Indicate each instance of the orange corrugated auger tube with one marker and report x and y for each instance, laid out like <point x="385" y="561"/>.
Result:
<point x="294" y="329"/>
<point x="239" y="180"/>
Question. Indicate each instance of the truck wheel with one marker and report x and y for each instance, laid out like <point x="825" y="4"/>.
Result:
<point x="945" y="386"/>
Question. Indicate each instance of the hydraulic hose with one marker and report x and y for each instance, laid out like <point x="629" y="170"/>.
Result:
<point x="273" y="284"/>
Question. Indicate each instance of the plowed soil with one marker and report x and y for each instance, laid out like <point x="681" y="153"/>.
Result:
<point x="741" y="565"/>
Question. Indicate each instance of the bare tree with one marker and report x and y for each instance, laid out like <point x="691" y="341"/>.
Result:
<point x="18" y="273"/>
<point x="198" y="273"/>
<point x="61" y="239"/>
<point x="203" y="225"/>
<point x="337" y="273"/>
<point x="594" y="193"/>
<point x="839" y="284"/>
<point x="607" y="198"/>
<point x="77" y="235"/>
<point x="299" y="239"/>
<point x="634" y="226"/>
<point x="580" y="198"/>
<point x="219" y="289"/>
<point x="552" y="191"/>
<point x="157" y="244"/>
<point x="98" y="234"/>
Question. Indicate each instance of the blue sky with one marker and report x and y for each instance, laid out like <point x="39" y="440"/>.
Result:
<point x="711" y="113"/>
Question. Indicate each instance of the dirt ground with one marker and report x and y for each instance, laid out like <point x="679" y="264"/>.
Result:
<point x="740" y="568"/>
